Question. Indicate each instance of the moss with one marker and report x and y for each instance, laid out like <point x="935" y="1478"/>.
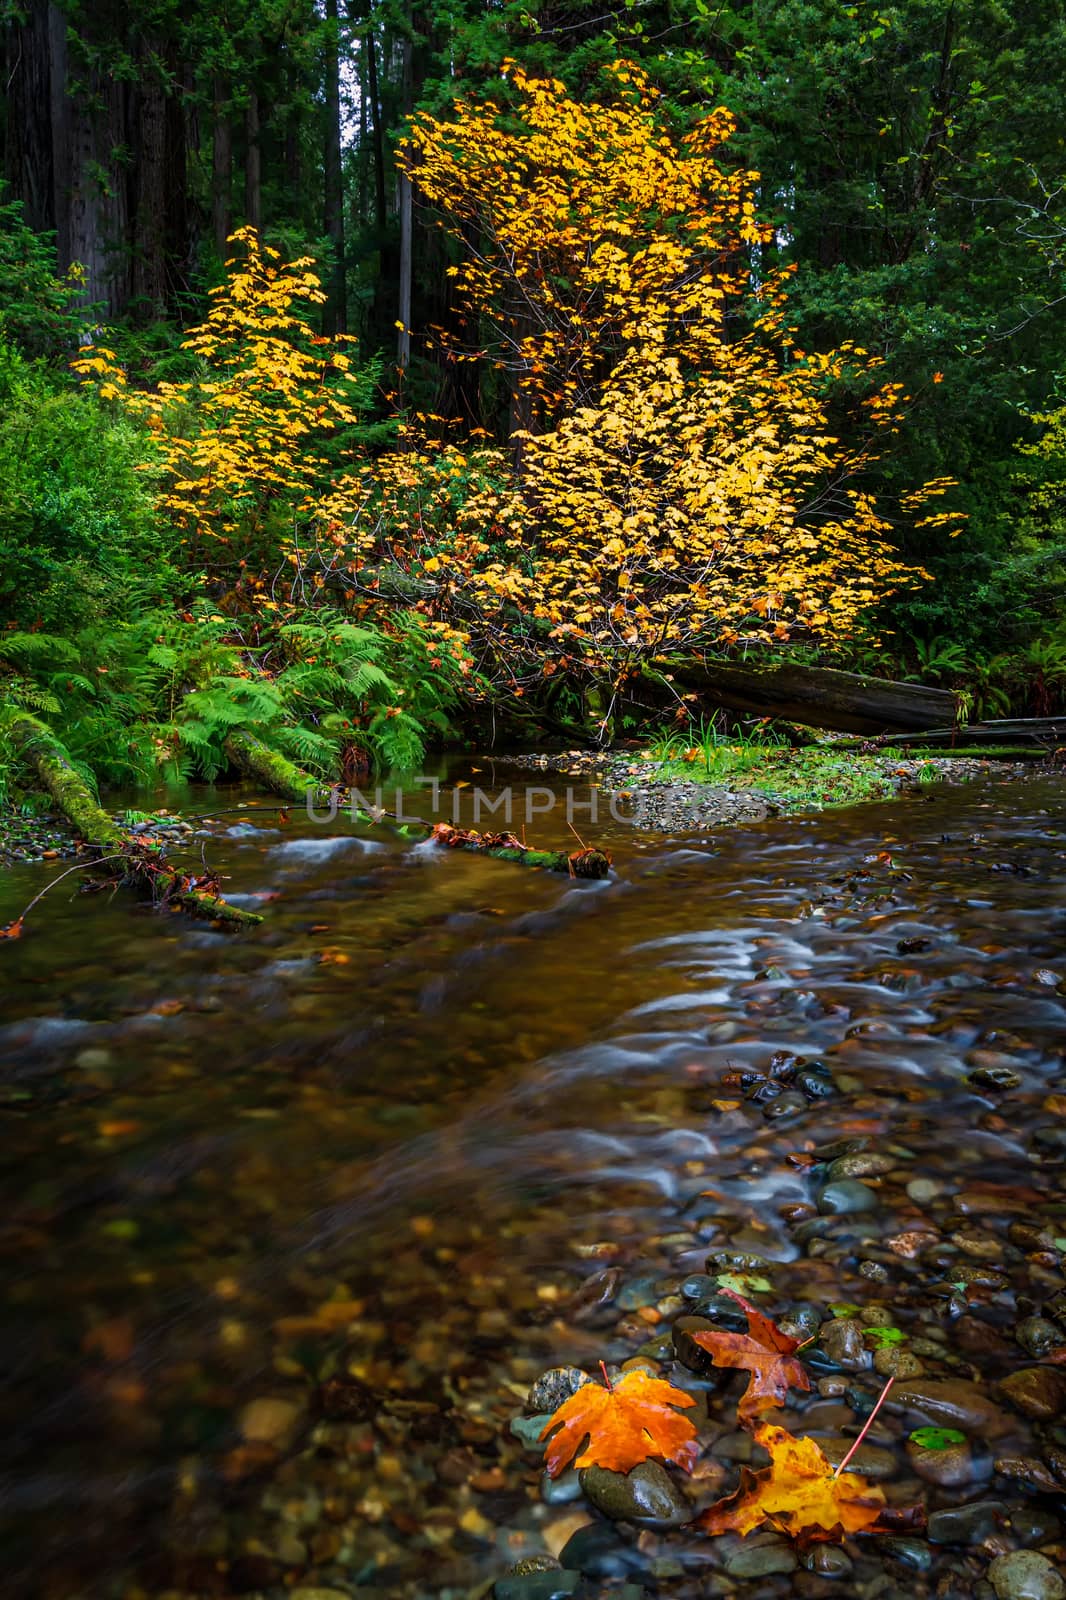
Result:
<point x="257" y="760"/>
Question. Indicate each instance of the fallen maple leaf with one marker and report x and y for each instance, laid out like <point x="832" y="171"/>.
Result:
<point x="625" y="1423"/>
<point x="797" y="1494"/>
<point x="764" y="1351"/>
<point x="13" y="930"/>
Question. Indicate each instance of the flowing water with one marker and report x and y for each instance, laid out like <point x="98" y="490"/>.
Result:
<point x="396" y="1138"/>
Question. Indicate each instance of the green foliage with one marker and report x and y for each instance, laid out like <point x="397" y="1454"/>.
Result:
<point x="77" y="519"/>
<point x="39" y="312"/>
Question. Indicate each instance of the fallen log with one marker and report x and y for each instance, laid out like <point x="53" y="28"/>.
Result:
<point x="1035" y="735"/>
<point x="816" y="697"/>
<point x="583" y="863"/>
<point x="132" y="860"/>
<point x="276" y="773"/>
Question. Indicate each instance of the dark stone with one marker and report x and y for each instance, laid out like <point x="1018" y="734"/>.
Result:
<point x="646" y="1495"/>
<point x="557" y="1585"/>
<point x="553" y="1387"/>
<point x="846" y="1197"/>
<point x="969" y="1524"/>
<point x="598" y="1551"/>
<point x="688" y="1352"/>
<point x="1038" y="1392"/>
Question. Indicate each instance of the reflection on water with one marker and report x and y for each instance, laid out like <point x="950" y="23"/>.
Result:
<point x="427" y="1092"/>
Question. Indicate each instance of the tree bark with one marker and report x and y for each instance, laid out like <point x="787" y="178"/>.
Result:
<point x="253" y="166"/>
<point x="150" y="168"/>
<point x="221" y="169"/>
<point x="817" y="697"/>
<point x="335" y="319"/>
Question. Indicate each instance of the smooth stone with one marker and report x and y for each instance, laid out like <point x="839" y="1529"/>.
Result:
<point x="1037" y="1336"/>
<point x="597" y="1551"/>
<point x="842" y="1341"/>
<point x="869" y="1460"/>
<point x="913" y="1553"/>
<point x="816" y="1085"/>
<point x="551" y="1585"/>
<point x="922" y="1190"/>
<point x="968" y="1524"/>
<point x="529" y="1430"/>
<point x="562" y="1490"/>
<point x="647" y="1494"/>
<point x="553" y="1387"/>
<point x="1032" y="1523"/>
<point x="269" y="1420"/>
<point x="828" y="1560"/>
<point x="892" y="1362"/>
<point x="722" y="1311"/>
<point x="950" y="1468"/>
<point x="688" y="1352"/>
<point x="846" y="1198"/>
<point x="949" y="1403"/>
<point x="862" y="1164"/>
<point x="760" y="1556"/>
<point x="1026" y="1575"/>
<point x="1038" y="1392"/>
<point x="641" y="1292"/>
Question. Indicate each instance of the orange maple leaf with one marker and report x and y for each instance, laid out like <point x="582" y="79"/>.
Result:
<point x="624" y="1423"/>
<point x="797" y="1493"/>
<point x="765" y="1352"/>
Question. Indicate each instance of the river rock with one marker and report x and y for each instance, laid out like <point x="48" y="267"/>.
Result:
<point x="913" y="1553"/>
<point x="761" y="1555"/>
<point x="828" y="1560"/>
<point x="1026" y="1575"/>
<point x="1037" y="1336"/>
<point x="861" y="1164"/>
<point x="646" y="1495"/>
<point x="689" y="1353"/>
<point x="869" y="1460"/>
<point x="842" y="1341"/>
<point x="269" y="1420"/>
<point x="949" y="1468"/>
<point x="893" y="1362"/>
<point x="1038" y="1392"/>
<point x="552" y="1584"/>
<point x="969" y="1524"/>
<point x="846" y="1197"/>
<point x="529" y="1430"/>
<point x="949" y="1403"/>
<point x="553" y="1387"/>
<point x="562" y="1490"/>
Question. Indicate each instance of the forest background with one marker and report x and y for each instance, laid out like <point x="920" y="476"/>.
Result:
<point x="556" y="340"/>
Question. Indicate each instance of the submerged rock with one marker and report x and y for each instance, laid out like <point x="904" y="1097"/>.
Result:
<point x="845" y="1197"/>
<point x="1026" y="1575"/>
<point x="646" y="1495"/>
<point x="949" y="1403"/>
<point x="553" y="1387"/>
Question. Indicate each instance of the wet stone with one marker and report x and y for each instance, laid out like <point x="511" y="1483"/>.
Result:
<point x="1037" y="1336"/>
<point x="562" y="1490"/>
<point x="842" y="1341"/>
<point x="968" y="1524"/>
<point x="847" y="1197"/>
<point x="869" y="1460"/>
<point x="548" y="1585"/>
<point x="1026" y="1575"/>
<point x="598" y="1551"/>
<point x="829" y="1561"/>
<point x="646" y="1495"/>
<point x="760" y="1556"/>
<point x="529" y="1430"/>
<point x="1038" y="1392"/>
<point x="949" y="1403"/>
<point x="861" y="1164"/>
<point x="912" y="1553"/>
<point x="950" y="1468"/>
<point x="688" y="1352"/>
<point x="553" y="1387"/>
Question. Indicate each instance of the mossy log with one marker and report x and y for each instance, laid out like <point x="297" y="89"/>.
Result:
<point x="129" y="858"/>
<point x="505" y="847"/>
<point x="815" y="697"/>
<point x="281" y="776"/>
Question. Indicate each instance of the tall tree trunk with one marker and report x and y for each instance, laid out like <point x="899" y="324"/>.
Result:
<point x="28" y="165"/>
<point x="253" y="166"/>
<point x="377" y="119"/>
<point x="221" y="169"/>
<point x="60" y="118"/>
<point x="336" y="312"/>
<point x="150" y="202"/>
<point x="405" y="208"/>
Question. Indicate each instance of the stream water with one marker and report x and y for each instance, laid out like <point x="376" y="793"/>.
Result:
<point x="291" y="1220"/>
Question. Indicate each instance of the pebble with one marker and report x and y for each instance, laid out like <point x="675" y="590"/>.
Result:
<point x="760" y="1556"/>
<point x="861" y="1164"/>
<point x="562" y="1490"/>
<point x="869" y="1460"/>
<point x="968" y="1524"/>
<point x="913" y="1553"/>
<point x="529" y="1430"/>
<point x="646" y="1495"/>
<point x="949" y="1468"/>
<point x="548" y="1585"/>
<point x="1026" y="1575"/>
<point x="1037" y="1336"/>
<point x="829" y="1561"/>
<point x="842" y="1341"/>
<point x="689" y="1353"/>
<point x="949" y="1403"/>
<point x="1038" y="1392"/>
<point x="892" y="1362"/>
<point x="553" y="1387"/>
<point x="269" y="1420"/>
<point x="846" y="1197"/>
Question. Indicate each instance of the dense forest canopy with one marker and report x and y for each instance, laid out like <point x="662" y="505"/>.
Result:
<point x="553" y="337"/>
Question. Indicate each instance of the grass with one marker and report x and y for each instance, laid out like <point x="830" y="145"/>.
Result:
<point x="815" y="776"/>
